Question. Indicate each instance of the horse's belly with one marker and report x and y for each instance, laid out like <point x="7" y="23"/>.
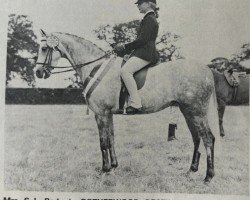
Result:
<point x="157" y="92"/>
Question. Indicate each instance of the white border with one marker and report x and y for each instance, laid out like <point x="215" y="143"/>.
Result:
<point x="78" y="196"/>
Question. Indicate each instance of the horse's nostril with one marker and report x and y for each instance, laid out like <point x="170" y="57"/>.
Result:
<point x="39" y="73"/>
<point x="47" y="75"/>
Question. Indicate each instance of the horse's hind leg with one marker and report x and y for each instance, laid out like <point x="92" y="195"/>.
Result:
<point x="209" y="140"/>
<point x="114" y="162"/>
<point x="106" y="134"/>
<point x="196" y="155"/>
<point x="196" y="139"/>
<point x="221" y="110"/>
<point x="198" y="125"/>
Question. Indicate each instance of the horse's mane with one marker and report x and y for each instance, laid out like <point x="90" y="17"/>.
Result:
<point x="80" y="39"/>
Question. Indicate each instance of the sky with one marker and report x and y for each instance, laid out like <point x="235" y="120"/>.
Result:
<point x="209" y="28"/>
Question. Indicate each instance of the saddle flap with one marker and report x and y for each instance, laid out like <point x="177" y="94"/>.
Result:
<point x="140" y="78"/>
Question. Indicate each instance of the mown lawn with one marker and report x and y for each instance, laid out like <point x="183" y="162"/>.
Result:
<point x="56" y="148"/>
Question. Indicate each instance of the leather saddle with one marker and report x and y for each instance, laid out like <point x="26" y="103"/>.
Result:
<point x="232" y="78"/>
<point x="140" y="78"/>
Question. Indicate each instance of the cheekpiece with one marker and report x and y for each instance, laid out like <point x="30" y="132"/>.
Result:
<point x="52" y="41"/>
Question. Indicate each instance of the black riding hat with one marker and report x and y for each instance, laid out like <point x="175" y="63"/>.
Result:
<point x="142" y="1"/>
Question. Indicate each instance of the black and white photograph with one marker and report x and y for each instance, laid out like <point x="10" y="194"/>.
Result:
<point x="125" y="99"/>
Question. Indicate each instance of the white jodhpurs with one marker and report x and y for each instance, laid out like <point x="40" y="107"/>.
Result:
<point x="133" y="65"/>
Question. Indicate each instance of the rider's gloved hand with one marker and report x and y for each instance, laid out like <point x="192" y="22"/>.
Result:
<point x="119" y="47"/>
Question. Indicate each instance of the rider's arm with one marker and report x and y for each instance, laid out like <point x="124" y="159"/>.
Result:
<point x="148" y="25"/>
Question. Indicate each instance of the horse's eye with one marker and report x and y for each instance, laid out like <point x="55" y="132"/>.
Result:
<point x="44" y="48"/>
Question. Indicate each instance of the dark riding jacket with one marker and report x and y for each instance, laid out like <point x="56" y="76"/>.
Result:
<point x="144" y="46"/>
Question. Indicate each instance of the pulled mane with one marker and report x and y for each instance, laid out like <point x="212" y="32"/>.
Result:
<point x="95" y="50"/>
<point x="80" y="39"/>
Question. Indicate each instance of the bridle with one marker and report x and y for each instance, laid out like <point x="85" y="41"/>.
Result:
<point x="52" y="43"/>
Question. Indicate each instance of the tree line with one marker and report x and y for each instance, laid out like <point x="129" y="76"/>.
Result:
<point x="22" y="46"/>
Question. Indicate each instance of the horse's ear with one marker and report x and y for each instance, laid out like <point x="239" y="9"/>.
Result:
<point x="43" y="33"/>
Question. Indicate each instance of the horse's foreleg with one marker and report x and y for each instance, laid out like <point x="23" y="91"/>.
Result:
<point x="114" y="162"/>
<point x="221" y="110"/>
<point x="106" y="134"/>
<point x="102" y="123"/>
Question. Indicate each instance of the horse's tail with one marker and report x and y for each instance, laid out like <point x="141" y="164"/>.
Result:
<point x="213" y="118"/>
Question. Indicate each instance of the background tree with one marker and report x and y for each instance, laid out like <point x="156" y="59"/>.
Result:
<point x="21" y="45"/>
<point x="244" y="54"/>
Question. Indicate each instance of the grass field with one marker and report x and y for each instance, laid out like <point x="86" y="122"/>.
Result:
<point x="56" y="148"/>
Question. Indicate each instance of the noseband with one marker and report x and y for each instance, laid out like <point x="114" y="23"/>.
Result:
<point x="47" y="62"/>
<point x="52" y="44"/>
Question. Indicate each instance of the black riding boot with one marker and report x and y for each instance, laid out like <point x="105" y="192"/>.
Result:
<point x="171" y="131"/>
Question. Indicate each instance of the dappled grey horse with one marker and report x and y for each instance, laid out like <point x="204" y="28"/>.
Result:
<point x="186" y="83"/>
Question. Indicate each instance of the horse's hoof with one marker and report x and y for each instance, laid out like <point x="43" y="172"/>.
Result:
<point x="189" y="173"/>
<point x="194" y="168"/>
<point x="104" y="173"/>
<point x="173" y="138"/>
<point x="112" y="172"/>
<point x="113" y="166"/>
<point x="222" y="135"/>
<point x="100" y="175"/>
<point x="207" y="180"/>
<point x="106" y="169"/>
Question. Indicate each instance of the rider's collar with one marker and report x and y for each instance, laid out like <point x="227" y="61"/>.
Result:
<point x="150" y="11"/>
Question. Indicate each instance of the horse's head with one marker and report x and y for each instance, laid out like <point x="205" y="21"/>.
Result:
<point x="48" y="55"/>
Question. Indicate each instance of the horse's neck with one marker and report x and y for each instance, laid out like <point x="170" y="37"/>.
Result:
<point x="81" y="51"/>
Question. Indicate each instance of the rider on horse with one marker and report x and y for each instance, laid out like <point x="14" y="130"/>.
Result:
<point x="144" y="51"/>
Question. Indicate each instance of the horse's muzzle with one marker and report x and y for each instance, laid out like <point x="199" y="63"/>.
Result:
<point x="41" y="73"/>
